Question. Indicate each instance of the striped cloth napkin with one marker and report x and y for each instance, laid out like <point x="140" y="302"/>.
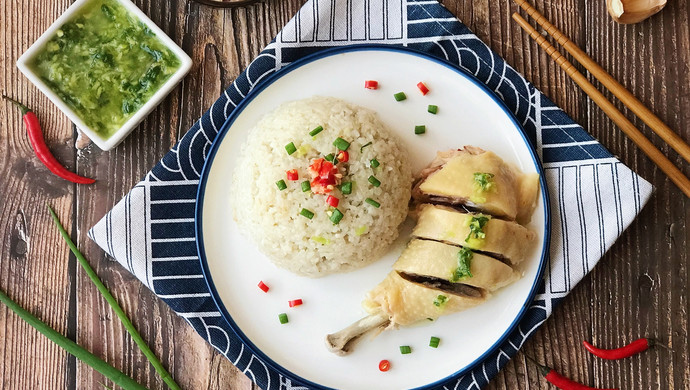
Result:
<point x="594" y="196"/>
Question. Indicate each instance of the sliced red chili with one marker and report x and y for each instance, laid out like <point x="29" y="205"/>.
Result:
<point x="292" y="175"/>
<point x="332" y="201"/>
<point x="343" y="156"/>
<point x="263" y="286"/>
<point x="423" y="88"/>
<point x="295" y="302"/>
<point x="384" y="365"/>
<point x="633" y="348"/>
<point x="38" y="143"/>
<point x="371" y="84"/>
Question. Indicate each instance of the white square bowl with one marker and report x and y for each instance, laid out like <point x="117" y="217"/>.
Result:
<point x="139" y="115"/>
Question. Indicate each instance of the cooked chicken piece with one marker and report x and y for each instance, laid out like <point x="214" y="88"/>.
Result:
<point x="430" y="279"/>
<point x="505" y="240"/>
<point x="479" y="180"/>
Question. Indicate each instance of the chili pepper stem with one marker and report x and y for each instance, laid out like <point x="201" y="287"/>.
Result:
<point x="24" y="108"/>
<point x="656" y="343"/>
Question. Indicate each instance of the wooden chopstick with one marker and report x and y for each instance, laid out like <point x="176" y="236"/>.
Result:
<point x="609" y="109"/>
<point x="618" y="90"/>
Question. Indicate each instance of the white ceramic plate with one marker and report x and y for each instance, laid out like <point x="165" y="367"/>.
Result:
<point x="468" y="115"/>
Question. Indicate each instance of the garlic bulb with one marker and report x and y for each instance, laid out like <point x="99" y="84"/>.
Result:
<point x="633" y="11"/>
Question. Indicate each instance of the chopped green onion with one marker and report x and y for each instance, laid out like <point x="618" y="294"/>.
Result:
<point x="316" y="131"/>
<point x="400" y="96"/>
<point x="373" y="202"/>
<point x="290" y="148"/>
<point x="476" y="224"/>
<point x="346" y="188"/>
<point x="420" y="129"/>
<point x="329" y="157"/>
<point x="374" y="163"/>
<point x="282" y="317"/>
<point x="336" y="216"/>
<point x="374" y="181"/>
<point x="405" y="349"/>
<point x="281" y="184"/>
<point x="321" y="240"/>
<point x="361" y="230"/>
<point x="306" y="213"/>
<point x="483" y="182"/>
<point x="440" y="300"/>
<point x="306" y="186"/>
<point x="364" y="146"/>
<point x="432" y="109"/>
<point x="341" y="144"/>
<point x="462" y="271"/>
<point x="303" y="150"/>
<point x="433" y="342"/>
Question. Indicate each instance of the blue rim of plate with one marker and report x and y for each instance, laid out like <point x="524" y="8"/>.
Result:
<point x="262" y="85"/>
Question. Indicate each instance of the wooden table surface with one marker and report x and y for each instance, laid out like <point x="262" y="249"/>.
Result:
<point x="639" y="288"/>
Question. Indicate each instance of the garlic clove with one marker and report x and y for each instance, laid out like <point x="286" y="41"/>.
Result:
<point x="633" y="11"/>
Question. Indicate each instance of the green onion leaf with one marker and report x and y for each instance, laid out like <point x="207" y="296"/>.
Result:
<point x="476" y="224"/>
<point x="361" y="230"/>
<point x="316" y="131"/>
<point x="483" y="182"/>
<point x="290" y="148"/>
<point x="329" y="157"/>
<point x="364" y="146"/>
<point x="321" y="240"/>
<point x="373" y="202"/>
<point x="374" y="181"/>
<point x="281" y="184"/>
<point x="420" y="129"/>
<point x="440" y="301"/>
<point x="432" y="109"/>
<point x="336" y="216"/>
<point x="434" y="341"/>
<point x="116" y="376"/>
<point x="374" y="163"/>
<point x="306" y="186"/>
<point x="341" y="144"/>
<point x="346" y="188"/>
<point x="283" y="318"/>
<point x="400" y="96"/>
<point x="306" y="213"/>
<point x="405" y="349"/>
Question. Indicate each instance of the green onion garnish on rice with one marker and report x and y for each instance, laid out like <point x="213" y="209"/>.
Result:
<point x="373" y="202"/>
<point x="283" y="318"/>
<point x="433" y="109"/>
<point x="420" y="129"/>
<point x="290" y="148"/>
<point x="306" y="186"/>
<point x="405" y="349"/>
<point x="336" y="216"/>
<point x="346" y="188"/>
<point x="374" y="163"/>
<point x="341" y="144"/>
<point x="281" y="184"/>
<point x="329" y="157"/>
<point x="316" y="131"/>
<point x="364" y="146"/>
<point x="400" y="96"/>
<point x="374" y="181"/>
<point x="306" y="213"/>
<point x="433" y="342"/>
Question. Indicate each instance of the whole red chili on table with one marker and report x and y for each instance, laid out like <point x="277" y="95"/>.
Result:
<point x="561" y="381"/>
<point x="633" y="348"/>
<point x="38" y="143"/>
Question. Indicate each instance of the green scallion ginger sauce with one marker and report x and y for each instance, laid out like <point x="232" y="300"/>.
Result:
<point x="105" y="64"/>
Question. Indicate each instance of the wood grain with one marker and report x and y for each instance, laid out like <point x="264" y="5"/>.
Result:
<point x="639" y="288"/>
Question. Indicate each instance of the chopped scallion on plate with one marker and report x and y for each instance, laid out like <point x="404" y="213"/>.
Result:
<point x="281" y="184"/>
<point x="433" y="109"/>
<point x="283" y="318"/>
<point x="374" y="181"/>
<point x="306" y="213"/>
<point x="373" y="202"/>
<point x="405" y="349"/>
<point x="374" y="163"/>
<point x="306" y="186"/>
<point x="346" y="188"/>
<point x="341" y="144"/>
<point x="433" y="342"/>
<point x="400" y="96"/>
<point x="290" y="148"/>
<point x="316" y="131"/>
<point x="420" y="129"/>
<point x="336" y="216"/>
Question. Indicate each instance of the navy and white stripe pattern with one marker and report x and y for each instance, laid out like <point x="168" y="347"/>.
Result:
<point x="594" y="196"/>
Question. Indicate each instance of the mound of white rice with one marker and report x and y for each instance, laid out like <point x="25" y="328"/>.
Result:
<point x="271" y="217"/>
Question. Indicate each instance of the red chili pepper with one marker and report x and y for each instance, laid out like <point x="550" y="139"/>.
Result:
<point x="343" y="156"/>
<point x="633" y="348"/>
<point x="561" y="381"/>
<point x="263" y="286"/>
<point x="38" y="143"/>
<point x="371" y="84"/>
<point x="295" y="302"/>
<point x="292" y="175"/>
<point x="332" y="201"/>
<point x="422" y="87"/>
<point x="384" y="365"/>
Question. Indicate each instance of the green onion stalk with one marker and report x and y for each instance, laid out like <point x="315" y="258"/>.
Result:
<point x="157" y="365"/>
<point x="112" y="373"/>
